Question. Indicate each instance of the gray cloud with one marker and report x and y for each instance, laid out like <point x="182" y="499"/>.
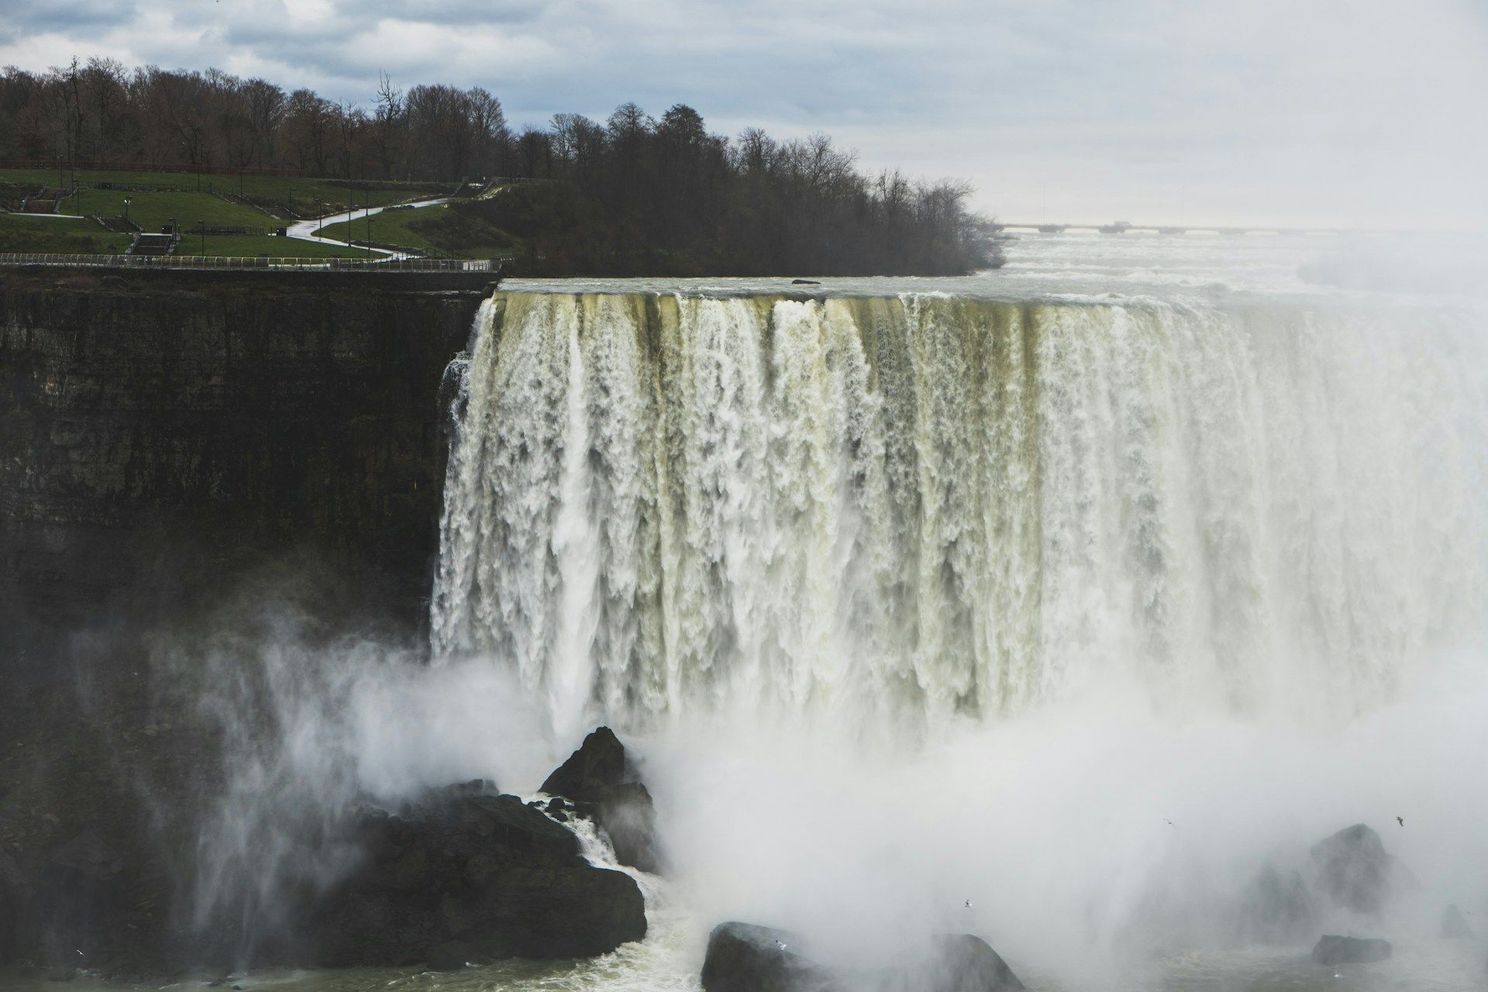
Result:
<point x="1341" y="109"/>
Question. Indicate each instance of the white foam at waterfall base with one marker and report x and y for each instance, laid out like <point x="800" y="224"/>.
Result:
<point x="1092" y="838"/>
<point x="1100" y="842"/>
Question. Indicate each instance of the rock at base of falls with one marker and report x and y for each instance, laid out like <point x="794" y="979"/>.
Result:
<point x="466" y="875"/>
<point x="743" y="957"/>
<point x="596" y="766"/>
<point x="597" y="780"/>
<point x="1354" y="871"/>
<point x="1333" y="949"/>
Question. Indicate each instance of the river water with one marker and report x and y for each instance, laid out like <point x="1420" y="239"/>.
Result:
<point x="1048" y="604"/>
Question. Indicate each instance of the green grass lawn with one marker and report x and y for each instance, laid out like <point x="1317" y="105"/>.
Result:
<point x="158" y="198"/>
<point x="445" y="229"/>
<point x="20" y="233"/>
<point x="273" y="194"/>
<point x="153" y="211"/>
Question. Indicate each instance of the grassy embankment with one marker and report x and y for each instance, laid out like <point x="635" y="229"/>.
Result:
<point x="259" y="204"/>
<point x="452" y="229"/>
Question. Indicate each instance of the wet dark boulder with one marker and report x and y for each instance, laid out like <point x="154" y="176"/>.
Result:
<point x="598" y="780"/>
<point x="959" y="962"/>
<point x="629" y="818"/>
<point x="591" y="771"/>
<point x="466" y="875"/>
<point x="743" y="957"/>
<point x="1333" y="949"/>
<point x="1354" y="871"/>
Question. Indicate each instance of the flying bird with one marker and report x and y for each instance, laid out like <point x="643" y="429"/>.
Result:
<point x="1400" y="820"/>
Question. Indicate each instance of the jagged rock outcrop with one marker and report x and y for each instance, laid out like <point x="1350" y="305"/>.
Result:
<point x="1354" y="871"/>
<point x="597" y="766"/>
<point x="1333" y="949"/>
<point x="468" y="875"/>
<point x="743" y="957"/>
<point x="597" y="780"/>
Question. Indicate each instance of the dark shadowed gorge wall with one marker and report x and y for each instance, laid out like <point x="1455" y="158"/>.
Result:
<point x="163" y="430"/>
<point x="166" y="440"/>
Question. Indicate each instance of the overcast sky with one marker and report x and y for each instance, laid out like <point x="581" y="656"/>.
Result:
<point x="1364" y="112"/>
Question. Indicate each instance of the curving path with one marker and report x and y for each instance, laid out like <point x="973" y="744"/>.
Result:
<point x="305" y="229"/>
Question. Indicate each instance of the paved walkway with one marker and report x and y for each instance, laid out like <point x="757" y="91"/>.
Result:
<point x="305" y="229"/>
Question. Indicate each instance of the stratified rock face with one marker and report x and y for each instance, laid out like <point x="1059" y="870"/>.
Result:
<point x="743" y="957"/>
<point x="1354" y="870"/>
<point x="1333" y="949"/>
<point x="159" y="433"/>
<point x="465" y="876"/>
<point x="594" y="779"/>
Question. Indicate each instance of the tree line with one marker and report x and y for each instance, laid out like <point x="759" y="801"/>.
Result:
<point x="632" y="194"/>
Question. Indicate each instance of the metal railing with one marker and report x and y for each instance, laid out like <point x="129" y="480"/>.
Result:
<point x="219" y="262"/>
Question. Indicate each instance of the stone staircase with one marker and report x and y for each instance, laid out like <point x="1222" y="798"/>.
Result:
<point x="153" y="244"/>
<point x="43" y="201"/>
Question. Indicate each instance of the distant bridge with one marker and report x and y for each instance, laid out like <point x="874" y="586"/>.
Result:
<point x="1123" y="227"/>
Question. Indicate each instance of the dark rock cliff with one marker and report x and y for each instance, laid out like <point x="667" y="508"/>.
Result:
<point x="164" y="438"/>
<point x="157" y="435"/>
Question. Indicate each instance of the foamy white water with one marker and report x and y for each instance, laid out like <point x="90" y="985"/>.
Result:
<point x="913" y="508"/>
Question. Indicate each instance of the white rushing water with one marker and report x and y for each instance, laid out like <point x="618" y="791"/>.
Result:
<point x="915" y="508"/>
<point x="1049" y="604"/>
<point x="1018" y="574"/>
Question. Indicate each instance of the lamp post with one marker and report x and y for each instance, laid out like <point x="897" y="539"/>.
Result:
<point x="126" y="210"/>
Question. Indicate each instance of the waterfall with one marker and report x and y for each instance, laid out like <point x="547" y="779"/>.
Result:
<point x="920" y="508"/>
